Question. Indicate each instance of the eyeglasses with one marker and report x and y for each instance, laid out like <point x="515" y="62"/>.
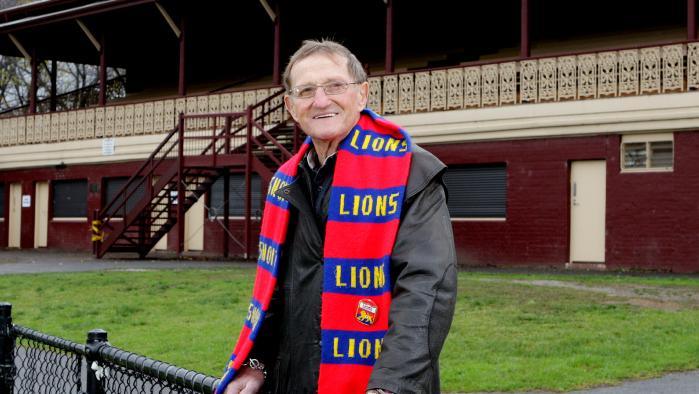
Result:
<point x="330" y="88"/>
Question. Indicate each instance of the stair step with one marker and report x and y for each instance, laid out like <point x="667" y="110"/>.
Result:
<point x="157" y="217"/>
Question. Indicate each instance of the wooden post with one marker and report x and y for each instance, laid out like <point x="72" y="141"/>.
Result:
<point x="103" y="75"/>
<point x="524" y="50"/>
<point x="226" y="187"/>
<point x="181" y="190"/>
<point x="691" y="20"/>
<point x="53" y="76"/>
<point x="248" y="180"/>
<point x="276" y="71"/>
<point x="182" y="86"/>
<point x="389" y="68"/>
<point x="226" y="209"/>
<point x="34" y="83"/>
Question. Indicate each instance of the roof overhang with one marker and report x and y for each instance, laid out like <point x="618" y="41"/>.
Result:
<point x="69" y="14"/>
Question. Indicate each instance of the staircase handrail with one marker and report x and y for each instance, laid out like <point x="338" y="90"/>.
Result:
<point x="258" y="123"/>
<point x="263" y="113"/>
<point x="145" y="174"/>
<point x="274" y="141"/>
<point x="229" y="116"/>
<point x="104" y="213"/>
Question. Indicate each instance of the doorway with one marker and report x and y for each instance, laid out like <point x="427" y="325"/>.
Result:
<point x="588" y="185"/>
<point x="41" y="214"/>
<point x="15" y="225"/>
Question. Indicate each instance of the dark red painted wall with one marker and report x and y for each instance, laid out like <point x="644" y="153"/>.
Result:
<point x="27" y="232"/>
<point x="651" y="217"/>
<point x="75" y="235"/>
<point x="536" y="228"/>
<point x="215" y="236"/>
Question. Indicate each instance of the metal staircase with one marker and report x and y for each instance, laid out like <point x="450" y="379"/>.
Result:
<point x="184" y="166"/>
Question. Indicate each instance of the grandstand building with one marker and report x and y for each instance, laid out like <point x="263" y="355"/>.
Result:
<point x="572" y="138"/>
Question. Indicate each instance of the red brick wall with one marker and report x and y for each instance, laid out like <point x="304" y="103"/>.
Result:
<point x="214" y="237"/>
<point x="651" y="217"/>
<point x="72" y="235"/>
<point x="75" y="235"/>
<point x="27" y="229"/>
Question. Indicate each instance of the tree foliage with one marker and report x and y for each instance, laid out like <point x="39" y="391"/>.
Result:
<point x="77" y="85"/>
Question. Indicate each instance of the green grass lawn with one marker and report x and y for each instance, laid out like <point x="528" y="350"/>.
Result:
<point x="508" y="334"/>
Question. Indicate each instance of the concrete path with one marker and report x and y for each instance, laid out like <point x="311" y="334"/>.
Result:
<point x="41" y="261"/>
<point x="674" y="383"/>
<point x="22" y="262"/>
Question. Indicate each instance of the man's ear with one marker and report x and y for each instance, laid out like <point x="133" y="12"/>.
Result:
<point x="289" y="104"/>
<point x="364" y="94"/>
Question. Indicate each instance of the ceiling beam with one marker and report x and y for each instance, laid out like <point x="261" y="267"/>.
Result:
<point x="269" y="10"/>
<point x="169" y="20"/>
<point x="69" y="14"/>
<point x="20" y="47"/>
<point x="89" y="35"/>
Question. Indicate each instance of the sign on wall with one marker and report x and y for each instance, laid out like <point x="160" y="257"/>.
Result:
<point x="108" y="146"/>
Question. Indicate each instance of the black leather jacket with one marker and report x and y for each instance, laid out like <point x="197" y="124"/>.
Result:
<point x="423" y="277"/>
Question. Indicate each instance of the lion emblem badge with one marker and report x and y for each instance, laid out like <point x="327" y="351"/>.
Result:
<point x="366" y="311"/>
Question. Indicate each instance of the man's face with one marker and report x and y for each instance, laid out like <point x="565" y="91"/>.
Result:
<point x="325" y="117"/>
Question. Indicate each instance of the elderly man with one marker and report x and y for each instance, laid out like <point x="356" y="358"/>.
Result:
<point x="356" y="278"/>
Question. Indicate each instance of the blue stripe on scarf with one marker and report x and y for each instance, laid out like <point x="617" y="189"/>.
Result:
<point x="255" y="317"/>
<point x="365" y="205"/>
<point x="369" y="142"/>
<point x="351" y="347"/>
<point x="269" y="252"/>
<point x="370" y="277"/>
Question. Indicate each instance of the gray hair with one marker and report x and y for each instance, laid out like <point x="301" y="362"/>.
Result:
<point x="326" y="47"/>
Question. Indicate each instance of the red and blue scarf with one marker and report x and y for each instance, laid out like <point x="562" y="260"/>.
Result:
<point x="366" y="196"/>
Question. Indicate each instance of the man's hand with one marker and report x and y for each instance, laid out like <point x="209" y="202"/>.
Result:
<point x="248" y="381"/>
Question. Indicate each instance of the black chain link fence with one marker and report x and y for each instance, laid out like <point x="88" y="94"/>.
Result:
<point x="43" y="365"/>
<point x="33" y="362"/>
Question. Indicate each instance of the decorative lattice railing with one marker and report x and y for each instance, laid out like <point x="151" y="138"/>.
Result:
<point x="149" y="117"/>
<point x="636" y="71"/>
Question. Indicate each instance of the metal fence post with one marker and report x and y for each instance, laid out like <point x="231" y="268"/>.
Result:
<point x="7" y="350"/>
<point x="95" y="340"/>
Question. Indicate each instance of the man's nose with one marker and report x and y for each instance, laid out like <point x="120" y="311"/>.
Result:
<point x="320" y="99"/>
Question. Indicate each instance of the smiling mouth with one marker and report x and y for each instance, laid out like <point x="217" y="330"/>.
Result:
<point x="324" y="116"/>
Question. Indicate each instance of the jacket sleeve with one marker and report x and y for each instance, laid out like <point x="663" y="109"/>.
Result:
<point x="423" y="270"/>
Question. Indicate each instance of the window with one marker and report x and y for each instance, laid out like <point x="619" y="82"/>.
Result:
<point x="478" y="191"/>
<point x="70" y="199"/>
<point x="652" y="152"/>
<point x="112" y="186"/>
<point x="236" y="196"/>
<point x="2" y="200"/>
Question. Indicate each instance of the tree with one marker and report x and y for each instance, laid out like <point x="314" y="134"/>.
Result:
<point x="77" y="85"/>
